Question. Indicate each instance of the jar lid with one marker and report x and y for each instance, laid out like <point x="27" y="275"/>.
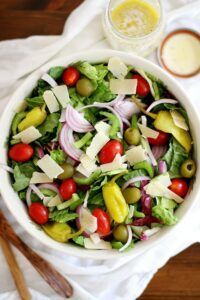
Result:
<point x="179" y="53"/>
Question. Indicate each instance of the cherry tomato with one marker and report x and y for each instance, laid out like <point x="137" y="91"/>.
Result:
<point x="70" y="76"/>
<point x="109" y="151"/>
<point x="39" y="213"/>
<point x="161" y="140"/>
<point x="67" y="188"/>
<point x="21" y="152"/>
<point x="143" y="88"/>
<point x="103" y="221"/>
<point x="179" y="186"/>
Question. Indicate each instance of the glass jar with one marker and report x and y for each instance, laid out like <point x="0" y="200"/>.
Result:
<point x="141" y="45"/>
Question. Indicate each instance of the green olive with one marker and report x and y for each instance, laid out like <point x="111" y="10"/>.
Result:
<point x="132" y="136"/>
<point x="132" y="195"/>
<point x="68" y="171"/>
<point x="120" y="233"/>
<point x="188" y="168"/>
<point x="84" y="87"/>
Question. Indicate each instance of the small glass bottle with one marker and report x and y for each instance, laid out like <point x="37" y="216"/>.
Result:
<point x="141" y="45"/>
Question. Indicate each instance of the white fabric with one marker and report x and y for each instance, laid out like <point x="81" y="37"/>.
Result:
<point x="125" y="278"/>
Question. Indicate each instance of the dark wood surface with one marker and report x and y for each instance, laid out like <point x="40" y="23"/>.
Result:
<point x="180" y="278"/>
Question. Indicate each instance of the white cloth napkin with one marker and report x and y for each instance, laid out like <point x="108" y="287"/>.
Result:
<point x="125" y="278"/>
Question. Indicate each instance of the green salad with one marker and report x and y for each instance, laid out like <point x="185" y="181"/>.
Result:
<point x="101" y="155"/>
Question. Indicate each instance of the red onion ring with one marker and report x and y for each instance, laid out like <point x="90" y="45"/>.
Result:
<point x="135" y="179"/>
<point x="102" y="105"/>
<point x="28" y="196"/>
<point x="46" y="77"/>
<point x="50" y="187"/>
<point x="162" y="167"/>
<point x="39" y="152"/>
<point x="126" y="108"/>
<point x="159" y="151"/>
<point x="162" y="101"/>
<point x="76" y="121"/>
<point x="66" y="141"/>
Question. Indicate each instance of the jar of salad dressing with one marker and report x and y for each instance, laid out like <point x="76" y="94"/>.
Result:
<point x="134" y="25"/>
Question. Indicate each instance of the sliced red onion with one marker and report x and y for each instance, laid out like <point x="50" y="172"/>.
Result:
<point x="146" y="202"/>
<point x="116" y="100"/>
<point x="79" y="221"/>
<point x="162" y="167"/>
<point x="86" y="199"/>
<point x="150" y="154"/>
<point x="130" y="236"/>
<point x="76" y="121"/>
<point x="49" y="186"/>
<point x="125" y="121"/>
<point x="159" y="151"/>
<point x="37" y="191"/>
<point x="46" y="77"/>
<point x="28" y="196"/>
<point x="162" y="101"/>
<point x="67" y="141"/>
<point x="39" y="152"/>
<point x="148" y="233"/>
<point x="6" y="168"/>
<point x="126" y="108"/>
<point x="135" y="179"/>
<point x="145" y="221"/>
<point x="103" y="105"/>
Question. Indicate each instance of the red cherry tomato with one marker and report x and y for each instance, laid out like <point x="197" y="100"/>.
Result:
<point x="70" y="76"/>
<point x="39" y="213"/>
<point x="109" y="151"/>
<point x="161" y="140"/>
<point x="143" y="88"/>
<point x="103" y="221"/>
<point x="21" y="152"/>
<point x="179" y="186"/>
<point x="67" y="188"/>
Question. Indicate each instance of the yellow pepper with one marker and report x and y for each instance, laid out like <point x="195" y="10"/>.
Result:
<point x="114" y="200"/>
<point x="61" y="232"/>
<point x="35" y="117"/>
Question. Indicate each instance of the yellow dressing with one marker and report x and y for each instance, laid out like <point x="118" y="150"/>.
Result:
<point x="134" y="18"/>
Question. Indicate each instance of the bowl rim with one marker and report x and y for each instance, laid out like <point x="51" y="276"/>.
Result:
<point x="75" y="250"/>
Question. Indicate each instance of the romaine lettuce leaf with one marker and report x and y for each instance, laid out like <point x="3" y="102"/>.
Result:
<point x="165" y="215"/>
<point x="62" y="216"/>
<point x="58" y="155"/>
<point x="56" y="72"/>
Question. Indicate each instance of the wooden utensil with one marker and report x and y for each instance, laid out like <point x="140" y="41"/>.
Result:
<point x="46" y="270"/>
<point x="15" y="270"/>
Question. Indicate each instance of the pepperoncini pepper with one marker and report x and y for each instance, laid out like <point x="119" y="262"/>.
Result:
<point x="35" y="117"/>
<point x="60" y="232"/>
<point x="114" y="200"/>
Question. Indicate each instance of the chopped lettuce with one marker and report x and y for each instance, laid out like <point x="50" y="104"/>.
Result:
<point x="88" y="70"/>
<point x="102" y="71"/>
<point x="62" y="216"/>
<point x="174" y="157"/>
<point x="35" y="101"/>
<point x="101" y="94"/>
<point x="58" y="155"/>
<point x="79" y="240"/>
<point x="49" y="128"/>
<point x="22" y="175"/>
<point x="165" y="215"/>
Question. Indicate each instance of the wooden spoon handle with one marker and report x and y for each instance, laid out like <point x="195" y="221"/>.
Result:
<point x="46" y="270"/>
<point x="15" y="270"/>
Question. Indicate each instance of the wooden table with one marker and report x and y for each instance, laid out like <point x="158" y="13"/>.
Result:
<point x="180" y="278"/>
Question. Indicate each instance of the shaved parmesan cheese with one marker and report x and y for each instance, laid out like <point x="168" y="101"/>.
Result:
<point x="28" y="135"/>
<point x="179" y="120"/>
<point x="38" y="177"/>
<point x="102" y="127"/>
<point x="46" y="77"/>
<point x="156" y="189"/>
<point x="88" y="163"/>
<point x="148" y="132"/>
<point x="97" y="144"/>
<point x="95" y="238"/>
<point x="164" y="179"/>
<point x="116" y="164"/>
<point x="49" y="167"/>
<point x="131" y="211"/>
<point x="102" y="245"/>
<point x="83" y="171"/>
<point x="62" y="94"/>
<point x="117" y="67"/>
<point x="51" y="101"/>
<point x="54" y="201"/>
<point x="147" y="147"/>
<point x="123" y="86"/>
<point x="63" y="116"/>
<point x="87" y="220"/>
<point x="130" y="236"/>
<point x="46" y="200"/>
<point x="143" y="74"/>
<point x="136" y="155"/>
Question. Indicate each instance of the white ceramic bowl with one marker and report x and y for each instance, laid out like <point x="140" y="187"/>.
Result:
<point x="18" y="209"/>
